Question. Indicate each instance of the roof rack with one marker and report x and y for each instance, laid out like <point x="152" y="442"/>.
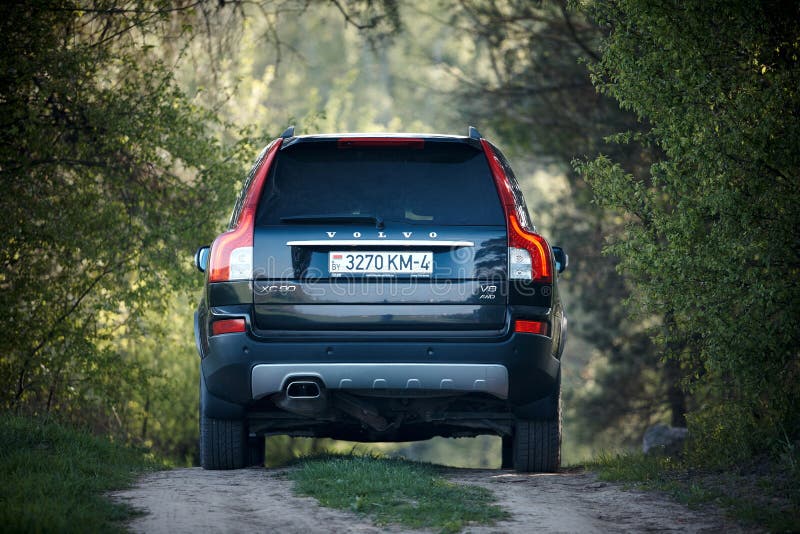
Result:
<point x="288" y="132"/>
<point x="474" y="133"/>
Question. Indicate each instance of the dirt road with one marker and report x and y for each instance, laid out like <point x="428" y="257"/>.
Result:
<point x="261" y="500"/>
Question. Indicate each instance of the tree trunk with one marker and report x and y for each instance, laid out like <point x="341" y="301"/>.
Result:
<point x="673" y="375"/>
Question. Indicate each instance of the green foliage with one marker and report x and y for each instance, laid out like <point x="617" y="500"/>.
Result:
<point x="710" y="240"/>
<point x="106" y="165"/>
<point x="729" y="435"/>
<point x="763" y="494"/>
<point x="395" y="491"/>
<point x="55" y="478"/>
<point x="634" y="467"/>
<point x="162" y="414"/>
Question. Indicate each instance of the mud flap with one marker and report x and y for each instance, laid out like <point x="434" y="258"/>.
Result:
<point x="216" y="408"/>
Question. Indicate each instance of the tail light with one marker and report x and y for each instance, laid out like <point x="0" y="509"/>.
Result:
<point x="528" y="253"/>
<point x="228" y="326"/>
<point x="381" y="142"/>
<point x="531" y="327"/>
<point x="232" y="252"/>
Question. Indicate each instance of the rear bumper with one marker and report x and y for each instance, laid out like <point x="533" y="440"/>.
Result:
<point x="521" y="368"/>
<point x="268" y="378"/>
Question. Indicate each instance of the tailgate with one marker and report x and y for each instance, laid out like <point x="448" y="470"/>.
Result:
<point x="380" y="234"/>
<point x="384" y="284"/>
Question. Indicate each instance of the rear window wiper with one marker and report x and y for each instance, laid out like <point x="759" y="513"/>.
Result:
<point x="333" y="218"/>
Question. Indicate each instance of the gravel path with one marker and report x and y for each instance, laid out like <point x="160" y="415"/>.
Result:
<point x="261" y="500"/>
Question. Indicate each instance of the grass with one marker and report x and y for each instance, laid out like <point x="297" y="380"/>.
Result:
<point x="760" y="493"/>
<point x="54" y="478"/>
<point x="395" y="491"/>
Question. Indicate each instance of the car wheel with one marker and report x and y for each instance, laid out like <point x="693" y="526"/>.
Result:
<point x="222" y="443"/>
<point x="537" y="443"/>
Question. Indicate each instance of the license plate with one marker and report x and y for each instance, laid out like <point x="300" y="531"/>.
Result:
<point x="383" y="262"/>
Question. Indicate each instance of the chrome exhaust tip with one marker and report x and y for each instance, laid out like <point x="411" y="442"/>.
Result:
<point x="303" y="389"/>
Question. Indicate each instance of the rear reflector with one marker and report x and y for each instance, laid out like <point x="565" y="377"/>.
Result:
<point x="530" y="327"/>
<point x="228" y="326"/>
<point x="381" y="142"/>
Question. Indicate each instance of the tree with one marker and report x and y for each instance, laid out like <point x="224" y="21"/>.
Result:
<point x="711" y="231"/>
<point x="105" y="165"/>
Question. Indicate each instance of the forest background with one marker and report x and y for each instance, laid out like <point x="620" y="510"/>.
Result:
<point x="655" y="141"/>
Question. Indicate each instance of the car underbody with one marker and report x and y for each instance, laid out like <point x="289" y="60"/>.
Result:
<point x="384" y="417"/>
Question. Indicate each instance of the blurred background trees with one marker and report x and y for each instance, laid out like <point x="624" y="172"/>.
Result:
<point x="128" y="126"/>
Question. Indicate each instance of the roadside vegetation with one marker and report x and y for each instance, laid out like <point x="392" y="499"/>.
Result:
<point x="55" y="477"/>
<point x="758" y="493"/>
<point x="394" y="491"/>
<point x="710" y="235"/>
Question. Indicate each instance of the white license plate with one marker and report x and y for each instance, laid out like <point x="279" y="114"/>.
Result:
<point x="383" y="262"/>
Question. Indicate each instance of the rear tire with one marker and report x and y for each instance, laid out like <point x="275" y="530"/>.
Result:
<point x="537" y="443"/>
<point x="223" y="443"/>
<point x="537" y="446"/>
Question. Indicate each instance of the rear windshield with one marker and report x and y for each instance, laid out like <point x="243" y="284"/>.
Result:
<point x="439" y="183"/>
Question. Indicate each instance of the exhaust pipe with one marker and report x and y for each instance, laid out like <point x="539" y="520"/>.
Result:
<point x="306" y="397"/>
<point x="303" y="389"/>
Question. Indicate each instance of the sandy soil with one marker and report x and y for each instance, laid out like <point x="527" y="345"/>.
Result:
<point x="261" y="500"/>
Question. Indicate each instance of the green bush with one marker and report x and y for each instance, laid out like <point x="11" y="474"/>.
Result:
<point x="711" y="241"/>
<point x="724" y="435"/>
